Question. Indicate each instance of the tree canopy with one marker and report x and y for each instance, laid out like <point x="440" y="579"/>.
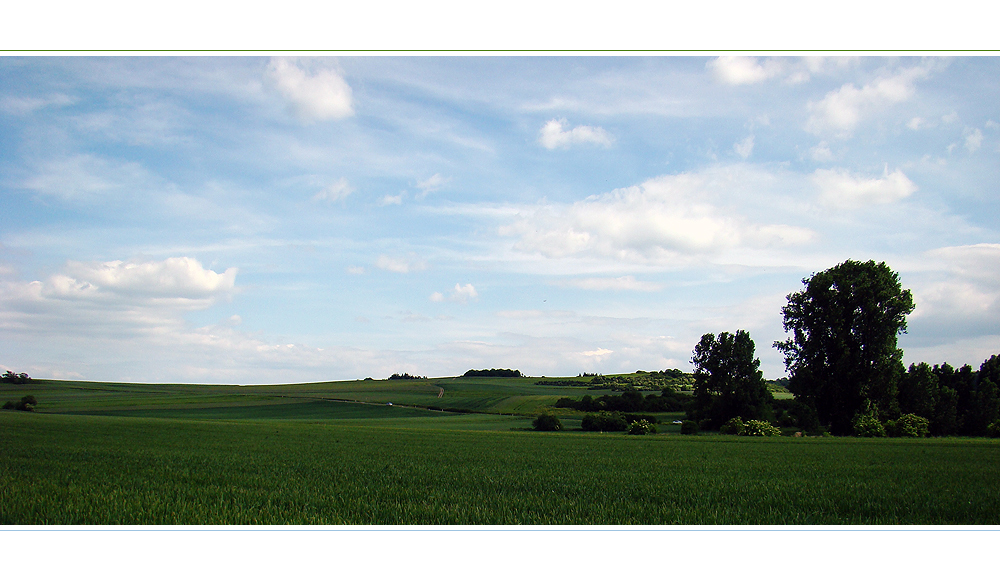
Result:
<point x="842" y="354"/>
<point x="727" y="380"/>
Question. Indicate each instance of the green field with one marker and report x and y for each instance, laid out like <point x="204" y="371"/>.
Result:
<point x="335" y="453"/>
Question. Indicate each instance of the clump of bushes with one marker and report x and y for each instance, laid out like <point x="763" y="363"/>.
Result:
<point x="734" y="426"/>
<point x="27" y="404"/>
<point x="547" y="422"/>
<point x="760" y="428"/>
<point x="604" y="422"/>
<point x="641" y="428"/>
<point x="867" y="425"/>
<point x="689" y="427"/>
<point x="908" y="426"/>
<point x="17" y="378"/>
<point x="993" y="430"/>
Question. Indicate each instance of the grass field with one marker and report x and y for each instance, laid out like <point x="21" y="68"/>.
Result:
<point x="157" y="454"/>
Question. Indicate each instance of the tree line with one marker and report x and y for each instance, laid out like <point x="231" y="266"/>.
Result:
<point x="845" y="369"/>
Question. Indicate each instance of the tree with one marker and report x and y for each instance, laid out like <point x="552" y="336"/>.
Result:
<point x="547" y="422"/>
<point x="727" y="380"/>
<point x="842" y="352"/>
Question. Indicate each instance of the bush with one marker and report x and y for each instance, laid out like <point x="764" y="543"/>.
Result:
<point x="760" y="428"/>
<point x="11" y="377"/>
<point x="641" y="428"/>
<point x="547" y="423"/>
<point x="868" y="426"/>
<point x="734" y="426"/>
<point x="604" y="422"/>
<point x="27" y="404"/>
<point x="908" y="426"/>
<point x="689" y="427"/>
<point x="993" y="430"/>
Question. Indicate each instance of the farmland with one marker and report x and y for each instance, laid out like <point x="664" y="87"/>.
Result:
<point x="336" y="453"/>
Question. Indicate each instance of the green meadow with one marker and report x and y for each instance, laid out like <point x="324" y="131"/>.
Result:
<point x="337" y="453"/>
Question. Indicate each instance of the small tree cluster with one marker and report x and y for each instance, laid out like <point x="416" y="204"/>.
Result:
<point x="11" y="377"/>
<point x="27" y="404"/>
<point x="492" y="373"/>
<point x="398" y="376"/>
<point x="547" y="422"/>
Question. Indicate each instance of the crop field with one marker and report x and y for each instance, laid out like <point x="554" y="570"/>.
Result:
<point x="182" y="454"/>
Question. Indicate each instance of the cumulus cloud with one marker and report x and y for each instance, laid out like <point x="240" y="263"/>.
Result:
<point x="664" y="220"/>
<point x="973" y="139"/>
<point x="313" y="92"/>
<point x="338" y="190"/>
<point x="619" y="283"/>
<point x="180" y="278"/>
<point x="743" y="70"/>
<point x="842" y="189"/>
<point x="401" y="265"/>
<point x="840" y="111"/>
<point x="821" y="152"/>
<point x="460" y="294"/>
<point x="744" y="148"/>
<point x="388" y="200"/>
<point x="957" y="294"/>
<point x="555" y="135"/>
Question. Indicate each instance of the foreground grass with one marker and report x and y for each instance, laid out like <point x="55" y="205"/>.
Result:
<point x="58" y="469"/>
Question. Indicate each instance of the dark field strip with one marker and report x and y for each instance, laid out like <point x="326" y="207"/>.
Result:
<point x="62" y="470"/>
<point x="305" y="410"/>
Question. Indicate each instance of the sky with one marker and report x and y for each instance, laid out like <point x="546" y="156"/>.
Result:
<point x="264" y="219"/>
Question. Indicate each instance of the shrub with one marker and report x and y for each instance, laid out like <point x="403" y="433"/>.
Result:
<point x="547" y="423"/>
<point x="641" y="428"/>
<point x="908" y="426"/>
<point x="689" y="427"/>
<point x="27" y="404"/>
<point x="868" y="426"/>
<point x="760" y="428"/>
<point x="604" y="422"/>
<point x="734" y="426"/>
<point x="993" y="430"/>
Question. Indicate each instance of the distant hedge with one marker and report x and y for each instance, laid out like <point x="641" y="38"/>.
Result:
<point x="492" y="373"/>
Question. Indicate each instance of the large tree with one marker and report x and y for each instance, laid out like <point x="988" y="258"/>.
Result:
<point x="727" y="380"/>
<point x="842" y="354"/>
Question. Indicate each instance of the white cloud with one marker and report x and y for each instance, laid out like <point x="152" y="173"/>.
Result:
<point x="355" y="270"/>
<point x="840" y="111"/>
<point x="744" y="148"/>
<point x="388" y="200"/>
<point x="821" y="152"/>
<point x="917" y="123"/>
<point x="400" y="265"/>
<point x="26" y="105"/>
<point x="460" y="294"/>
<point x="180" y="278"/>
<point x="431" y="184"/>
<point x="598" y="353"/>
<point x="973" y="139"/>
<point x="667" y="219"/>
<point x="619" y="283"/>
<point x="314" y="93"/>
<point x="89" y="179"/>
<point x="554" y="135"/>
<point x="338" y="190"/>
<point x="743" y="70"/>
<point x="841" y="189"/>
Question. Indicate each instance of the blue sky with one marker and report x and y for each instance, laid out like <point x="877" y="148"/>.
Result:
<point x="266" y="219"/>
